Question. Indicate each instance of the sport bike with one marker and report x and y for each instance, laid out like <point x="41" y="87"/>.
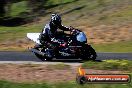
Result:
<point x="65" y="45"/>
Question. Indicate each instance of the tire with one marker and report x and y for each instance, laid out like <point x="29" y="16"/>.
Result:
<point x="40" y="56"/>
<point x="43" y="58"/>
<point x="89" y="53"/>
<point x="92" y="53"/>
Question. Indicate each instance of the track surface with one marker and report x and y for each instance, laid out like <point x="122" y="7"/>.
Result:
<point x="29" y="56"/>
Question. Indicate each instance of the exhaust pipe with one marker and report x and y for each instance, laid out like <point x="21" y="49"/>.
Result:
<point x="37" y="52"/>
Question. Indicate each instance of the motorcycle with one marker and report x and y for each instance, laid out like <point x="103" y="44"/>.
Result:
<point x="72" y="45"/>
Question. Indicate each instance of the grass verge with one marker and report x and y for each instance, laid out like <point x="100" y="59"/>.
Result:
<point x="106" y="64"/>
<point x="60" y="66"/>
<point x="125" y="65"/>
<point x="6" y="84"/>
<point x="125" y="46"/>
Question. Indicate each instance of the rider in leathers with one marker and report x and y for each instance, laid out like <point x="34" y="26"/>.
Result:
<point x="49" y="32"/>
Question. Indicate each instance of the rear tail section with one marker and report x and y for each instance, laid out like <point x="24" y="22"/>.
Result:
<point x="34" y="37"/>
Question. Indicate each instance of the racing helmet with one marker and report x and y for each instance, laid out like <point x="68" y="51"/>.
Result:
<point x="56" y="19"/>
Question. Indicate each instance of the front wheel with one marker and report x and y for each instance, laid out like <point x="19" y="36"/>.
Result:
<point x="92" y="53"/>
<point x="89" y="53"/>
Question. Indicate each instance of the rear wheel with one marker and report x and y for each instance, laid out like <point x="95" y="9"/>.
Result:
<point x="43" y="58"/>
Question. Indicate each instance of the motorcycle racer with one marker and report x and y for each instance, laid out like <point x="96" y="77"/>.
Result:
<point x="51" y="44"/>
<point x="49" y="32"/>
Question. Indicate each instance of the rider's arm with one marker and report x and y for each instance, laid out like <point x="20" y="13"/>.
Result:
<point x="65" y="28"/>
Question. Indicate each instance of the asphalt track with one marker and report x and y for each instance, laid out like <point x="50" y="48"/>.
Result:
<point x="29" y="56"/>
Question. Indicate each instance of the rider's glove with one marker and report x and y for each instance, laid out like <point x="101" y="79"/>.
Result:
<point x="71" y="28"/>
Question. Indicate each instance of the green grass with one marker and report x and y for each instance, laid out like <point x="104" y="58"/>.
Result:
<point x="54" y="2"/>
<point x="14" y="33"/>
<point x="22" y="6"/>
<point x="18" y="8"/>
<point x="124" y="46"/>
<point x="94" y="10"/>
<point x="106" y="64"/>
<point x="125" y="65"/>
<point x="6" y="84"/>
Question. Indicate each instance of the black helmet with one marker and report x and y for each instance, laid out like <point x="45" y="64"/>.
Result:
<point x="56" y="19"/>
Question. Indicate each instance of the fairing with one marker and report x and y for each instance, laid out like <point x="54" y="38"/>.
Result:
<point x="34" y="37"/>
